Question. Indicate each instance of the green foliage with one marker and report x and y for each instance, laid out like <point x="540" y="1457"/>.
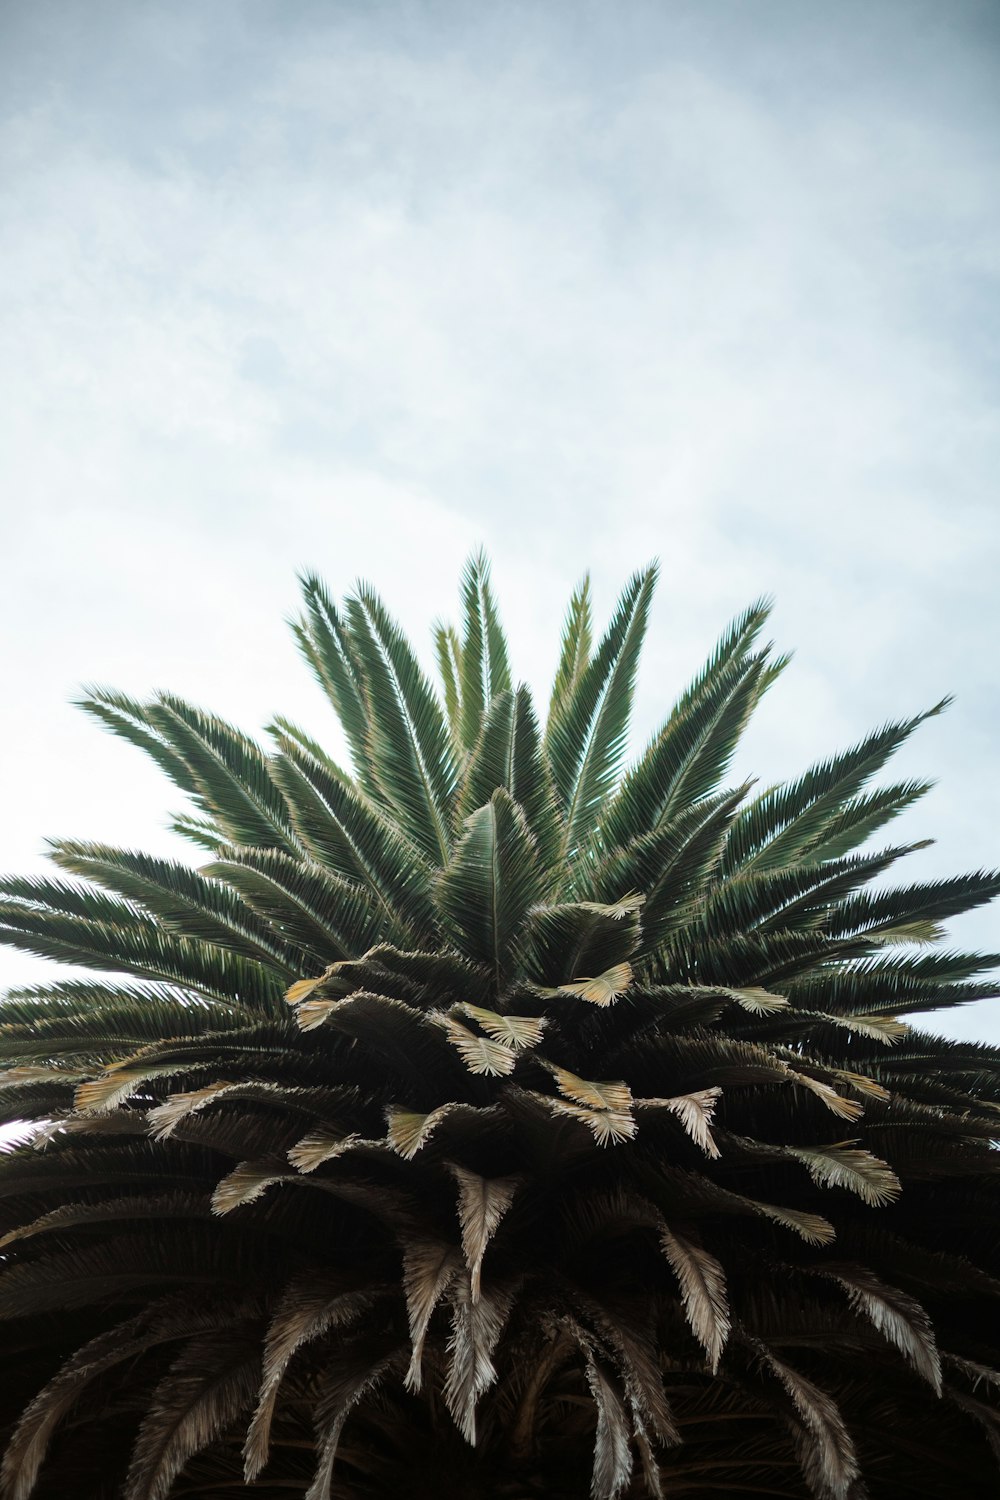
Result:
<point x="496" y="1119"/>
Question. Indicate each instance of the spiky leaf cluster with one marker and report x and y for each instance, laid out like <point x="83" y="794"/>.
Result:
<point x="495" y="1120"/>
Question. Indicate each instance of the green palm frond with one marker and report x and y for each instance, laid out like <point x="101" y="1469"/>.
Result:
<point x="691" y="753"/>
<point x="574" y="656"/>
<point x="585" y="743"/>
<point x="183" y="899"/>
<point x="508" y="754"/>
<point x="130" y="719"/>
<point x="409" y="743"/>
<point x="563" y="941"/>
<point x="492" y="880"/>
<point x="72" y="927"/>
<point x="348" y="835"/>
<point x="496" y="1119"/>
<point x="449" y="658"/>
<point x="483" y="664"/>
<point x="290" y="737"/>
<point x="323" y="915"/>
<point x="886" y="912"/>
<point x="327" y="646"/>
<point x="232" y="774"/>
<point x="786" y="823"/>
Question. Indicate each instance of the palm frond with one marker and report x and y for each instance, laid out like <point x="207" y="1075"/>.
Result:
<point x="348" y="835"/>
<point x="120" y="1344"/>
<point x="130" y="720"/>
<point x="888" y="911"/>
<point x="844" y="1165"/>
<point x="325" y="916"/>
<point x="828" y="1455"/>
<point x="429" y="1270"/>
<point x="613" y="1459"/>
<point x="491" y="881"/>
<point x="212" y="1380"/>
<point x="409" y="743"/>
<point x="477" y="1324"/>
<point x="185" y="900"/>
<point x="482" y="1203"/>
<point x="688" y="757"/>
<point x="80" y="926"/>
<point x="574" y="937"/>
<point x="508" y="754"/>
<point x="327" y="646"/>
<point x="703" y="1289"/>
<point x="309" y="1307"/>
<point x="574" y="656"/>
<point x="484" y="1097"/>
<point x="449" y="658"/>
<point x="484" y="666"/>
<point x="900" y="1318"/>
<point x="232" y="774"/>
<point x="788" y="821"/>
<point x="586" y="742"/>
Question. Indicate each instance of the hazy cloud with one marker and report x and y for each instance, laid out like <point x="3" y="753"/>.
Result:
<point x="355" y="287"/>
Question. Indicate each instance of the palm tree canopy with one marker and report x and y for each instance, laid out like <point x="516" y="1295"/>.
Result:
<point x="495" y="1118"/>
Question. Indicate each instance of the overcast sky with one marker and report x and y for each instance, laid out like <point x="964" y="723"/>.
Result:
<point x="357" y="287"/>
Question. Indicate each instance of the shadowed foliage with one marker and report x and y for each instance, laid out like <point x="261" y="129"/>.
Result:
<point x="494" y="1119"/>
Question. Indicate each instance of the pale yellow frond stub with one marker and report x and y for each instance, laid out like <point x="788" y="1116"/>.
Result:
<point x="301" y="988"/>
<point x="479" y="1053"/>
<point x="248" y="1181"/>
<point x="603" y="989"/>
<point x="312" y="1013"/>
<point x="519" y="1032"/>
<point x="844" y="1165"/>
<point x="320" y="1146"/>
<point x="695" y="1113"/>
<point x="409" y="1130"/>
<point x="847" y="1109"/>
<point x="615" y="1095"/>
<point x="607" y="1126"/>
<point x="166" y="1117"/>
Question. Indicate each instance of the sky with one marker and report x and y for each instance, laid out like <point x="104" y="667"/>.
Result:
<point x="359" y="287"/>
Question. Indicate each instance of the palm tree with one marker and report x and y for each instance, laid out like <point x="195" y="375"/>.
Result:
<point x="492" y="1122"/>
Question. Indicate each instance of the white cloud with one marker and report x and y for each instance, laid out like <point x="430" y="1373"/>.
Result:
<point x="355" y="288"/>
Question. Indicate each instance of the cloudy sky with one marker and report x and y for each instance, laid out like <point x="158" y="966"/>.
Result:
<point x="357" y="287"/>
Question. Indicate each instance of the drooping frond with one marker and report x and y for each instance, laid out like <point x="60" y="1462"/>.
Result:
<point x="210" y="1383"/>
<point x="309" y="1307"/>
<point x="482" y="1203"/>
<point x="703" y="1289"/>
<point x="828" y="1455"/>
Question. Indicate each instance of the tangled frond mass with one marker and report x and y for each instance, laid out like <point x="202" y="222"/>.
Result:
<point x="495" y="1119"/>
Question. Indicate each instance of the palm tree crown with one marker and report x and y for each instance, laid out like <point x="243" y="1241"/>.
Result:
<point x="495" y="1121"/>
